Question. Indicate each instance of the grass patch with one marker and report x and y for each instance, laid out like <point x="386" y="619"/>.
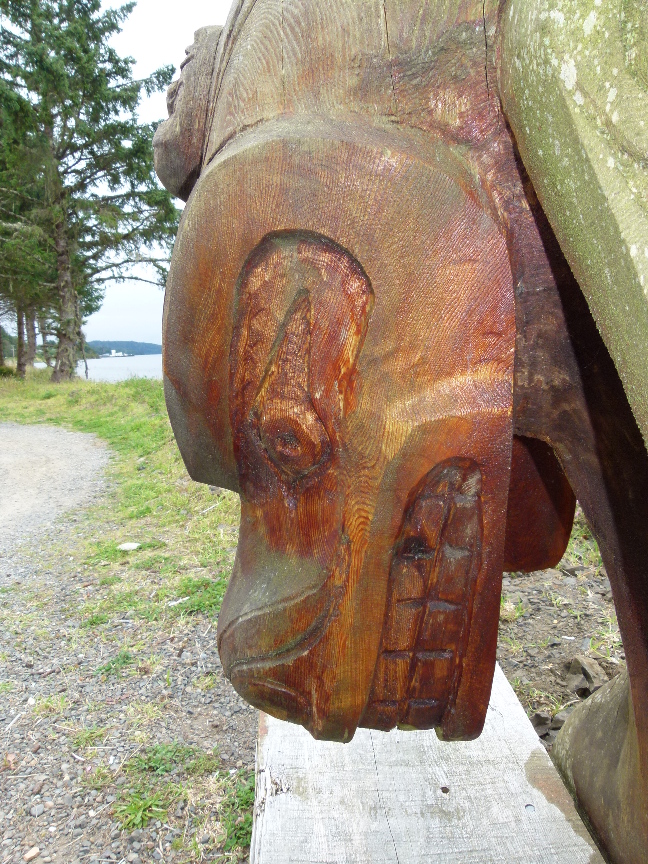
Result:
<point x="6" y="686"/>
<point x="143" y="713"/>
<point x="137" y="807"/>
<point x="161" y="759"/>
<point x="109" y="580"/>
<point x="200" y="595"/>
<point x="51" y="705"/>
<point x="187" y="532"/>
<point x="534" y="699"/>
<point x="203" y="763"/>
<point x="117" y="665"/>
<point x="236" y="812"/>
<point x="99" y="779"/>
<point x="206" y="682"/>
<point x="513" y="644"/>
<point x="607" y="639"/>
<point x="164" y="758"/>
<point x="582" y="549"/>
<point x="510" y="611"/>
<point x="86" y="736"/>
<point x="96" y="619"/>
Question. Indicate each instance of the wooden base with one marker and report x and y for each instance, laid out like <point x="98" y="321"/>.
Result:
<point x="408" y="798"/>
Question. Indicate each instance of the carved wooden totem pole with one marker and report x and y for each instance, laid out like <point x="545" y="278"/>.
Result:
<point x="371" y="333"/>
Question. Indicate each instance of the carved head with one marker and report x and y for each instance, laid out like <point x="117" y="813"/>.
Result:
<point x="339" y="337"/>
<point x="352" y="379"/>
<point x="178" y="142"/>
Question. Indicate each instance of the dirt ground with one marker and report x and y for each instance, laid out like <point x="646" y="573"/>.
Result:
<point x="79" y="709"/>
<point x="558" y="627"/>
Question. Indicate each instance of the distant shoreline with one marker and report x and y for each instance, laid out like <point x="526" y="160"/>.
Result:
<point x="121" y="348"/>
<point x="125" y="356"/>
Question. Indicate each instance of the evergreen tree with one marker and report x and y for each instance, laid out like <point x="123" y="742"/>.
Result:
<point x="27" y="262"/>
<point x="96" y="209"/>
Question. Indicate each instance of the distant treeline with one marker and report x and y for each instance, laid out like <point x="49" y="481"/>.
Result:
<point x="100" y="347"/>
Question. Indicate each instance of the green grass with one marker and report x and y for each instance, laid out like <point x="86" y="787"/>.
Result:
<point x="187" y="535"/>
<point x="161" y="759"/>
<point x="117" y="664"/>
<point x="99" y="779"/>
<point x="109" y="580"/>
<point x="6" y="686"/>
<point x="236" y="812"/>
<point x="582" y="549"/>
<point x="203" y="764"/>
<point x="206" y="682"/>
<point x="87" y="736"/>
<point x="204" y="595"/>
<point x="138" y="807"/>
<point x="607" y="639"/>
<point x="51" y="705"/>
<point x="164" y="758"/>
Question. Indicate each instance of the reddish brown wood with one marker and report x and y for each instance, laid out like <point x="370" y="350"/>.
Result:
<point x="541" y="508"/>
<point x="365" y="306"/>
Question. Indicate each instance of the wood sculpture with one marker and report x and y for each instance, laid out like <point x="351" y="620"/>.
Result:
<point x="372" y="335"/>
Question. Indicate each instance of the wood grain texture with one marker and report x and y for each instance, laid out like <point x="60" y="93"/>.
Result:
<point x="179" y="142"/>
<point x="381" y="799"/>
<point x="366" y="58"/>
<point x="575" y="89"/>
<point x="541" y="508"/>
<point x="568" y="390"/>
<point x="367" y="311"/>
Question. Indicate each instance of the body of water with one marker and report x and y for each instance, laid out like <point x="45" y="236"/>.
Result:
<point x="121" y="368"/>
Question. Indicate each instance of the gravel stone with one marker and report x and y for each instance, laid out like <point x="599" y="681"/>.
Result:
<point x="33" y="458"/>
<point x="48" y="475"/>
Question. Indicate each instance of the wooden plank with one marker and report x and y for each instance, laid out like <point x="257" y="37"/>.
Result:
<point x="406" y="797"/>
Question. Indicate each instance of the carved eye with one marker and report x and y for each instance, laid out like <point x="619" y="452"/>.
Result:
<point x="291" y="432"/>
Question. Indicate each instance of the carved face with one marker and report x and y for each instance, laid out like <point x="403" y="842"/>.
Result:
<point x="178" y="142"/>
<point x="312" y="416"/>
<point x="340" y="352"/>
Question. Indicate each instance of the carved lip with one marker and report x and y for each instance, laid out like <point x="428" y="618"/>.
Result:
<point x="277" y="633"/>
<point x="275" y="624"/>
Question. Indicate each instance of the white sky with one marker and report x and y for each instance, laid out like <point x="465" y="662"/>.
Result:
<point x="156" y="34"/>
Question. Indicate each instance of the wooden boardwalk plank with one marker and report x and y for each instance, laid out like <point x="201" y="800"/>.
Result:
<point x="408" y="798"/>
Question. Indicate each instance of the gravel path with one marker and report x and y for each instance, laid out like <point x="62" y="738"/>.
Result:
<point x="69" y="723"/>
<point x="45" y="471"/>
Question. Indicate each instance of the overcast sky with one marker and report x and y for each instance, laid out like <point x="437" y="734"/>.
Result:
<point x="156" y="34"/>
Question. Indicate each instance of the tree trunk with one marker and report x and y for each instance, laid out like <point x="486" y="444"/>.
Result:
<point x="30" y="322"/>
<point x="20" y="327"/>
<point x="42" y="326"/>
<point x="65" y="365"/>
<point x="2" y="359"/>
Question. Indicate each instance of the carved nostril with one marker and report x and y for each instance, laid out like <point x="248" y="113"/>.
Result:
<point x="297" y="441"/>
<point x="287" y="444"/>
